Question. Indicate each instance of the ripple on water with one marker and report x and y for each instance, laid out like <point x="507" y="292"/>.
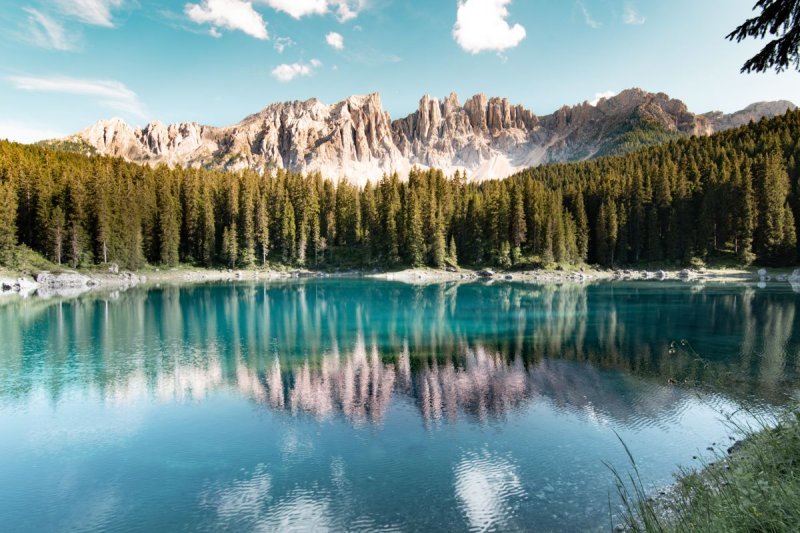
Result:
<point x="488" y="488"/>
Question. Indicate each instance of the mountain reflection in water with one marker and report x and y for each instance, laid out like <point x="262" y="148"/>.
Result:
<point x="351" y="348"/>
<point x="371" y="406"/>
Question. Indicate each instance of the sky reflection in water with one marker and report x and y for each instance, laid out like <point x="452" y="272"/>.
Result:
<point x="370" y="405"/>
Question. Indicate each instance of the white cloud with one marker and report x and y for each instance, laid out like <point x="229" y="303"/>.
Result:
<point x="335" y="40"/>
<point x="215" y="33"/>
<point x="632" y="16"/>
<point x="48" y="33"/>
<point x="299" y="8"/>
<point x="288" y="72"/>
<point x="23" y="132"/>
<point x="345" y="9"/>
<point x="229" y="14"/>
<point x="112" y="94"/>
<point x="95" y="12"/>
<point x="481" y="26"/>
<point x="587" y="17"/>
<point x="348" y="9"/>
<point x="600" y="96"/>
<point x="282" y="43"/>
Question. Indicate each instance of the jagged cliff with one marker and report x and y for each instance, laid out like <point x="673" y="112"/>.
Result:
<point x="484" y="137"/>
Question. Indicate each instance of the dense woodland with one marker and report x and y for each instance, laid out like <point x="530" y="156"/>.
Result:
<point x="731" y="195"/>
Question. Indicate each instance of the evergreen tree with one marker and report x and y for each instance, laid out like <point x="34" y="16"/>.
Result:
<point x="607" y="233"/>
<point x="581" y="230"/>
<point x="518" y="229"/>
<point x="262" y="229"/>
<point x="230" y="246"/>
<point x="773" y="232"/>
<point x="414" y="237"/>
<point x="169" y="226"/>
<point x="8" y="226"/>
<point x="57" y="232"/>
<point x="744" y="219"/>
<point x="288" y="233"/>
<point x="452" y="253"/>
<point x="439" y="248"/>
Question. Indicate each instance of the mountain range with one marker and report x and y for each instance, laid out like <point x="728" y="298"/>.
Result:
<point x="356" y="139"/>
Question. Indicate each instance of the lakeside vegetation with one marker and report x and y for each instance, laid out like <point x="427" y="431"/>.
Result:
<point x="730" y="196"/>
<point x="754" y="486"/>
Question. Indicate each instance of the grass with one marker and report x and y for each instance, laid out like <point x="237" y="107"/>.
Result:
<point x="755" y="486"/>
<point x="28" y="262"/>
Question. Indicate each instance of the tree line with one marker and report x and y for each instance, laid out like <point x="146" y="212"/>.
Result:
<point x="733" y="194"/>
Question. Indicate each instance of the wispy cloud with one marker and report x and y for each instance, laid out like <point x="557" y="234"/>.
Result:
<point x="288" y="72"/>
<point x="24" y="132"/>
<point x="632" y="16"/>
<point x="481" y="26"/>
<point x="348" y="9"/>
<point x="47" y="32"/>
<point x="335" y="40"/>
<point x="345" y="9"/>
<point x="282" y="43"/>
<point x="229" y="14"/>
<point x="587" y="16"/>
<point x="111" y="94"/>
<point x="299" y="8"/>
<point x="94" y="12"/>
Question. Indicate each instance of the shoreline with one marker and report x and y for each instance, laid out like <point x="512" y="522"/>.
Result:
<point x="756" y="470"/>
<point x="73" y="282"/>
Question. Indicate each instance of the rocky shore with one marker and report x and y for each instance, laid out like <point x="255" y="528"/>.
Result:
<point x="70" y="283"/>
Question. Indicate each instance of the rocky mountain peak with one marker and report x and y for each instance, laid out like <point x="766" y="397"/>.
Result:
<point x="486" y="137"/>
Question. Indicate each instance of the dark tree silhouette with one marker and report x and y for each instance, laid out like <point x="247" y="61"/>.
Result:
<point x="779" y="18"/>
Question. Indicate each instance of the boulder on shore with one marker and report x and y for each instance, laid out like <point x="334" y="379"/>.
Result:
<point x="63" y="280"/>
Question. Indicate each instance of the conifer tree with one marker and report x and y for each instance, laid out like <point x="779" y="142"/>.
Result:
<point x="288" y="233"/>
<point x="607" y="233"/>
<point x="57" y="232"/>
<point x="8" y="226"/>
<point x="415" y="241"/>
<point x="745" y="219"/>
<point x="169" y="227"/>
<point x="247" y="250"/>
<point x="262" y="229"/>
<point x="772" y="235"/>
<point x="208" y="230"/>
<point x="518" y="229"/>
<point x="439" y="248"/>
<point x="581" y="230"/>
<point x="230" y="246"/>
<point x="452" y="253"/>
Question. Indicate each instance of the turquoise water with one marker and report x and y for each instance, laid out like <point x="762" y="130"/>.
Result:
<point x="366" y="405"/>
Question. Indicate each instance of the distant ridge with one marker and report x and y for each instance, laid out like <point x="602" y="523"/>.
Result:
<point x="483" y="137"/>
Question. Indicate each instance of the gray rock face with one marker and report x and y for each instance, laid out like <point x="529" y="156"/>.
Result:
<point x="753" y="112"/>
<point x="64" y="280"/>
<point x="484" y="138"/>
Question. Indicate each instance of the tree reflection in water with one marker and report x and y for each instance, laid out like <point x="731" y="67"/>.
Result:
<point x="351" y="348"/>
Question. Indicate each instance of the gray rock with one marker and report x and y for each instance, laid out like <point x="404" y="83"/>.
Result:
<point x="357" y="137"/>
<point x="486" y="273"/>
<point x="64" y="280"/>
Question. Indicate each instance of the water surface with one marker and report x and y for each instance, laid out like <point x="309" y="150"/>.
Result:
<point x="368" y="405"/>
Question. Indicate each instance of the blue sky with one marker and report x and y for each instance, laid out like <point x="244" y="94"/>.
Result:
<point x="67" y="63"/>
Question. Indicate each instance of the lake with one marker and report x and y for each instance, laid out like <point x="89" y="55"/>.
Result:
<point x="368" y="405"/>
